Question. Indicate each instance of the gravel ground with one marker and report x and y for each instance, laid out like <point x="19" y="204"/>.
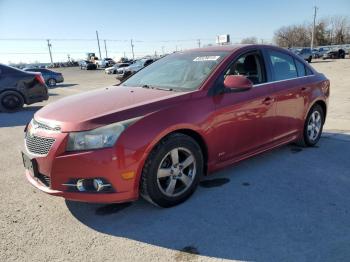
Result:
<point x="290" y="204"/>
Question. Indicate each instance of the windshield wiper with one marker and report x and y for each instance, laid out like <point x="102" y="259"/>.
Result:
<point x="156" y="87"/>
<point x="163" y="88"/>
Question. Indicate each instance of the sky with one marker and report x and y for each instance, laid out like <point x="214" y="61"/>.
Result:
<point x="154" y="25"/>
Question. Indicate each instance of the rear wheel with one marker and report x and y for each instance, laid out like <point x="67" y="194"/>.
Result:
<point x="172" y="171"/>
<point x="312" y="127"/>
<point x="51" y="82"/>
<point x="11" y="101"/>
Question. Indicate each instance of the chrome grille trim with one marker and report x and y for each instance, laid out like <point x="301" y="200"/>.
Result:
<point x="41" y="125"/>
<point x="38" y="145"/>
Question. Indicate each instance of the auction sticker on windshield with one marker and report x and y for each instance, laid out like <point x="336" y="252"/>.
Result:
<point x="206" y="58"/>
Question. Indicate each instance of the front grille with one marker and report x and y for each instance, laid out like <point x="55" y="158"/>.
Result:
<point x="44" y="179"/>
<point x="40" y="125"/>
<point x="38" y="145"/>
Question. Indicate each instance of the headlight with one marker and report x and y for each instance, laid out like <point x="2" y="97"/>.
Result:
<point x="101" y="137"/>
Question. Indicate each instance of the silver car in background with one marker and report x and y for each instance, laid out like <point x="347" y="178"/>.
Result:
<point x="113" y="69"/>
<point x="125" y="72"/>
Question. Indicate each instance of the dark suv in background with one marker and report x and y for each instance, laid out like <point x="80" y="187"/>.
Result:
<point x="18" y="87"/>
<point x="51" y="78"/>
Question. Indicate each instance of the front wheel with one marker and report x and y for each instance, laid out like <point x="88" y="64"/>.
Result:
<point x="312" y="127"/>
<point x="172" y="171"/>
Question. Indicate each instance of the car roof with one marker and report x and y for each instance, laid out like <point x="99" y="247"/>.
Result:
<point x="229" y="48"/>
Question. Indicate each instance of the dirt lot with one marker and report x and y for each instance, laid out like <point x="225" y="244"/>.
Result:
<point x="290" y="204"/>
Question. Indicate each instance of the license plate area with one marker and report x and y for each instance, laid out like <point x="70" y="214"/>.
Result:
<point x="30" y="164"/>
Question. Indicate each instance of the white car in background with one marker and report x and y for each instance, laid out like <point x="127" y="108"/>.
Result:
<point x="105" y="62"/>
<point x="113" y="69"/>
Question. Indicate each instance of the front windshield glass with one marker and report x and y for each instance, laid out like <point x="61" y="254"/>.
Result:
<point x="180" y="71"/>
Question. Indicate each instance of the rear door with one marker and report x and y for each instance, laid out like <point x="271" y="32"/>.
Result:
<point x="288" y="87"/>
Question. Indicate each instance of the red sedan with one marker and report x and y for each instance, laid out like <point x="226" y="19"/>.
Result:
<point x="180" y="118"/>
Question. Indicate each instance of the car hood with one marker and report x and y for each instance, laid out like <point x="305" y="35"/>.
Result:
<point x="100" y="107"/>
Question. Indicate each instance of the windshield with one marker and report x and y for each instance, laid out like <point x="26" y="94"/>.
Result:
<point x="180" y="71"/>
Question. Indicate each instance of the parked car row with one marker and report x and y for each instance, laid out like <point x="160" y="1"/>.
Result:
<point x="325" y="52"/>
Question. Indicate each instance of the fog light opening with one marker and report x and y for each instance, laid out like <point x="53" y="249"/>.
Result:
<point x="80" y="185"/>
<point x="99" y="185"/>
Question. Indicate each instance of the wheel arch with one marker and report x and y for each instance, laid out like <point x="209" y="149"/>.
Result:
<point x="199" y="139"/>
<point x="323" y="106"/>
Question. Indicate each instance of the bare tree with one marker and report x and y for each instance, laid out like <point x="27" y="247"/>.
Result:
<point x="339" y="29"/>
<point x="331" y="30"/>
<point x="249" y="40"/>
<point x="295" y="35"/>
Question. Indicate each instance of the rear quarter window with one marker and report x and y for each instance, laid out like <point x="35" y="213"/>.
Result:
<point x="308" y="71"/>
<point x="300" y="68"/>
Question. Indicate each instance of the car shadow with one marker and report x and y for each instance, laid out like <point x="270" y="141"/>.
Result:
<point x="321" y="61"/>
<point x="19" y="118"/>
<point x="289" y="204"/>
<point x="62" y="85"/>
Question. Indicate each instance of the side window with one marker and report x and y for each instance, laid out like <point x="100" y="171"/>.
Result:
<point x="282" y="65"/>
<point x="250" y="66"/>
<point x="300" y="68"/>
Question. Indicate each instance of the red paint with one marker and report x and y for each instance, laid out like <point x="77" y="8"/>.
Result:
<point x="233" y="125"/>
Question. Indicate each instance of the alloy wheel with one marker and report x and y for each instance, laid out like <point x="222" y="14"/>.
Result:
<point x="314" y="125"/>
<point x="176" y="172"/>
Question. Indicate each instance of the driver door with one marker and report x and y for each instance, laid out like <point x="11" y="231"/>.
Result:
<point x="244" y="120"/>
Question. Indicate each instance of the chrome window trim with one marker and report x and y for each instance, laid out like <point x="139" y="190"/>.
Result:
<point x="284" y="80"/>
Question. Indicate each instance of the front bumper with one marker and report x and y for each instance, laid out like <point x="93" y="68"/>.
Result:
<point x="109" y="163"/>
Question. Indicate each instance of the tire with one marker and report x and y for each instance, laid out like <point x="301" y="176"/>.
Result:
<point x="307" y="139"/>
<point x="166" y="183"/>
<point x="309" y="59"/>
<point x="11" y="101"/>
<point x="51" y="82"/>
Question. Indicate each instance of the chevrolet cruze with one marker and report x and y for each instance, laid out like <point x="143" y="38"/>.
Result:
<point x="181" y="118"/>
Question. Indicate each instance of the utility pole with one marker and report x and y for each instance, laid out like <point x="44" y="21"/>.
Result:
<point x="176" y="48"/>
<point x="199" y="43"/>
<point x="313" y="28"/>
<point x="98" y="42"/>
<point x="105" y="47"/>
<point x="132" y="49"/>
<point x="163" y="50"/>
<point x="49" y="46"/>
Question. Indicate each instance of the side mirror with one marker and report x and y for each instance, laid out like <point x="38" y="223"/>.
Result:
<point x="238" y="83"/>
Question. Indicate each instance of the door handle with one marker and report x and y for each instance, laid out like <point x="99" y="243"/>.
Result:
<point x="304" y="89"/>
<point x="268" y="100"/>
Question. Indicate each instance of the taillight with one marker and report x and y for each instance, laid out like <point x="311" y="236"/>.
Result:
<point x="40" y="78"/>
